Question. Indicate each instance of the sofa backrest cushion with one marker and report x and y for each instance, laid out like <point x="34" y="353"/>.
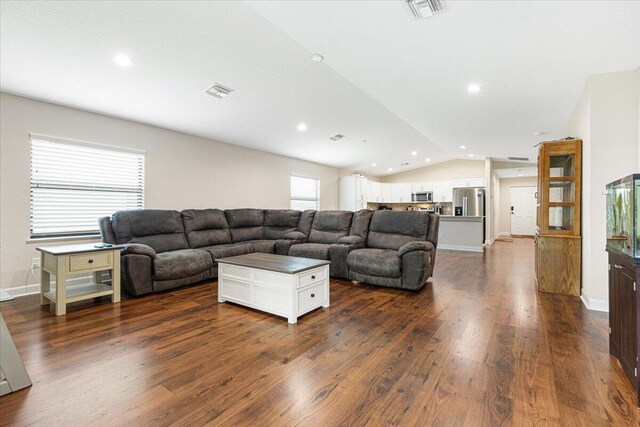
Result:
<point x="329" y="226"/>
<point x="161" y="229"/>
<point x="392" y="229"/>
<point x="206" y="227"/>
<point x="306" y="221"/>
<point x="360" y="224"/>
<point x="106" y="232"/>
<point x="278" y="222"/>
<point x="245" y="224"/>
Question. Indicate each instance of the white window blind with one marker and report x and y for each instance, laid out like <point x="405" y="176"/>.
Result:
<point x="73" y="184"/>
<point x="305" y="193"/>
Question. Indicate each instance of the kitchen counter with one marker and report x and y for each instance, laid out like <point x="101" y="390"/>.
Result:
<point x="461" y="233"/>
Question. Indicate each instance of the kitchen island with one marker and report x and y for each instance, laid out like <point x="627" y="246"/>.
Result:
<point x="461" y="233"/>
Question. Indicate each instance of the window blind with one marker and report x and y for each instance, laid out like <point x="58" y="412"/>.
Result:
<point x="74" y="184"/>
<point x="305" y="193"/>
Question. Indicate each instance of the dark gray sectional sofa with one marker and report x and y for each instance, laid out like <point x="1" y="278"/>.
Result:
<point x="168" y="249"/>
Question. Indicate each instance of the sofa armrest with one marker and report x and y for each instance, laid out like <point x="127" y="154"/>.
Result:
<point x="138" y="249"/>
<point x="295" y="235"/>
<point x="416" y="246"/>
<point x="351" y="240"/>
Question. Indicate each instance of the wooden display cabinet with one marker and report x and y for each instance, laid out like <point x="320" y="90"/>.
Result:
<point x="558" y="241"/>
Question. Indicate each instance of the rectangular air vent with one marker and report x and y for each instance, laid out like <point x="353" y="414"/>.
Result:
<point x="218" y="91"/>
<point x="336" y="137"/>
<point x="426" y="8"/>
<point x="519" y="159"/>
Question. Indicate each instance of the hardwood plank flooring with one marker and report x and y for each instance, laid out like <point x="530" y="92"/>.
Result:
<point x="478" y="346"/>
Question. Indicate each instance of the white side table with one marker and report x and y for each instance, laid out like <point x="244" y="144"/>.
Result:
<point x="72" y="260"/>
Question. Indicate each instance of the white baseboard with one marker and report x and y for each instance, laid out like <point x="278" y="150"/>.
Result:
<point x="594" y="304"/>
<point x="461" y="248"/>
<point x="34" y="288"/>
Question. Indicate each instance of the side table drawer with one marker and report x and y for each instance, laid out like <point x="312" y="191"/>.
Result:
<point x="89" y="261"/>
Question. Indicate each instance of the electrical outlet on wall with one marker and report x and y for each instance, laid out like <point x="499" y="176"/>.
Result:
<point x="35" y="263"/>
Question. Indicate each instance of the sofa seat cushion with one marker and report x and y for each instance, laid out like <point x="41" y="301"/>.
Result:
<point x="182" y="263"/>
<point x="224" y="251"/>
<point x="310" y="250"/>
<point x="262" y="246"/>
<point x="375" y="262"/>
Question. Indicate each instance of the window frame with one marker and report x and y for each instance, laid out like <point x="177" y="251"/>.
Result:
<point x="71" y="235"/>
<point x="318" y="183"/>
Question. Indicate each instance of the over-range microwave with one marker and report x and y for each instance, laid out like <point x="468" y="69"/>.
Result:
<point x="423" y="197"/>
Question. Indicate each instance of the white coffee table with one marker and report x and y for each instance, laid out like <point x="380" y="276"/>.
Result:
<point x="277" y="284"/>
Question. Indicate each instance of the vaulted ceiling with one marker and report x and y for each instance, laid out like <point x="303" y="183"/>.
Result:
<point x="390" y="83"/>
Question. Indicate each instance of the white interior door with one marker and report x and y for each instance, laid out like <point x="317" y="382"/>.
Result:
<point x="523" y="211"/>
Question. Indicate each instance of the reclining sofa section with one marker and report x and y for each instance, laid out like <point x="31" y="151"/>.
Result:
<point x="167" y="249"/>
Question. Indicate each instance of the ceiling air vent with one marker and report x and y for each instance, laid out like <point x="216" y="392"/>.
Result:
<point x="336" y="137"/>
<point x="218" y="91"/>
<point x="426" y="8"/>
<point x="519" y="159"/>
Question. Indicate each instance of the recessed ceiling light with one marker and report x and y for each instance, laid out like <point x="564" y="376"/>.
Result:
<point x="316" y="57"/>
<point x="470" y="155"/>
<point x="427" y="160"/>
<point x="302" y="127"/>
<point x="122" y="60"/>
<point x="473" y="88"/>
<point x="390" y="169"/>
<point x="373" y="164"/>
<point x="519" y="174"/>
<point x="463" y="147"/>
<point x="414" y="153"/>
<point x="540" y="133"/>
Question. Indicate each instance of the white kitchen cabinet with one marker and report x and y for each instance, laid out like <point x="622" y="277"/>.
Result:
<point x="353" y="193"/>
<point x="386" y="192"/>
<point x="401" y="192"/>
<point x="468" y="182"/>
<point x="442" y="192"/>
<point x="374" y="192"/>
<point x="421" y="187"/>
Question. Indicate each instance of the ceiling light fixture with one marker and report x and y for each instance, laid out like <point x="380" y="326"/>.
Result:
<point x="540" y="133"/>
<point x="218" y="91"/>
<point x="316" y="57"/>
<point x="390" y="169"/>
<point x="471" y="155"/>
<point x="474" y="88"/>
<point x="519" y="174"/>
<point x="414" y="153"/>
<point x="427" y="160"/>
<point x="302" y="127"/>
<point x="463" y="147"/>
<point x="373" y="164"/>
<point x="122" y="60"/>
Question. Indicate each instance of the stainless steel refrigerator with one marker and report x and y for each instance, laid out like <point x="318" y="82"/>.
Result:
<point x="468" y="201"/>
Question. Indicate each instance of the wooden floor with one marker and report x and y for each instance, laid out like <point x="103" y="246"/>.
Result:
<point x="478" y="346"/>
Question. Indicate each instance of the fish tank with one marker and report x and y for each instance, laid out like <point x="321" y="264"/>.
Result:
<point x="623" y="218"/>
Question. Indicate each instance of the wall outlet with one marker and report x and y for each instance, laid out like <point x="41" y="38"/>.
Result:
<point x="35" y="263"/>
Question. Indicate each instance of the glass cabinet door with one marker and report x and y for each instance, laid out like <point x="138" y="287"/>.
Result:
<point x="560" y="168"/>
<point x="561" y="194"/>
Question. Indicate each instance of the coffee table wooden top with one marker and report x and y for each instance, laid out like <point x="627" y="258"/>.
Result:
<point x="272" y="262"/>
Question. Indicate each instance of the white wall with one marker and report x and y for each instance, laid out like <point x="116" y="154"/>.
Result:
<point x="504" y="204"/>
<point x="606" y="119"/>
<point x="441" y="172"/>
<point x="182" y="171"/>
